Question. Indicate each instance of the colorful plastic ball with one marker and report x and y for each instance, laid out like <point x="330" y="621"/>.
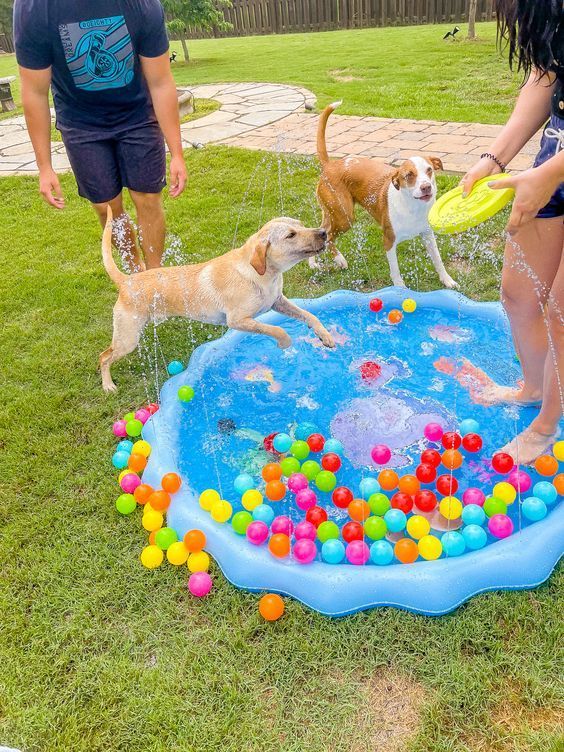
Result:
<point x="282" y="442"/>
<point x="208" y="498"/>
<point x="558" y="484"/>
<point x="199" y="561"/>
<point x="306" y="499"/>
<point x="474" y="496"/>
<point x="558" y="451"/>
<point x="125" y="445"/>
<point x="468" y="425"/>
<point x="151" y="557"/>
<point x="136" y="462"/>
<point x="402" y="501"/>
<point x="452" y="459"/>
<point x="426" y="473"/>
<point x="143" y="415"/>
<point x="123" y="473"/>
<point x="502" y="463"/>
<point x="175" y="367"/>
<point x="447" y="485"/>
<point x="375" y="528"/>
<point x="433" y="432"/>
<point x="493" y="505"/>
<point x="357" y="552"/>
<point x="134" y="427"/>
<point x="305" y="529"/>
<point x="475" y="537"/>
<point x="199" y="584"/>
<point x="352" y="531"/>
<point x="316" y="515"/>
<point x="194" y="540"/>
<point x="141" y="447"/>
<point x="288" y="466"/>
<point x="325" y="481"/>
<point x="505" y="491"/>
<point x="165" y="536"/>
<point x="409" y="484"/>
<point x="241" y="521"/>
<point x="271" y="471"/>
<point x="358" y="510"/>
<point x="396" y="520"/>
<point x="473" y="514"/>
<point x="153" y="408"/>
<point x="304" y="430"/>
<point x="451" y="440"/>
<point x="177" y="553"/>
<point x="120" y="460"/>
<point x="243" y="482"/>
<point x="129" y="416"/>
<point x="126" y="504"/>
<point x="370" y="370"/>
<point x="381" y="553"/>
<point x="316" y="442"/>
<point x="430" y="457"/>
<point x="381" y="454"/>
<point x="333" y="551"/>
<point x="327" y="530"/>
<point x="520" y="480"/>
<point x="376" y="305"/>
<point x="143" y="493"/>
<point x="275" y="490"/>
<point x="251" y="499"/>
<point x="546" y="465"/>
<point x="129" y="482"/>
<point x="450" y="507"/>
<point x="297" y="482"/>
<point x="282" y="524"/>
<point x="368" y="487"/>
<point x="395" y="316"/>
<point x="257" y="532"/>
<point x="342" y="497"/>
<point x="331" y="462"/>
<point x="221" y="511"/>
<point x="271" y="607"/>
<point x="409" y="305"/>
<point x="388" y="480"/>
<point x="186" y="394"/>
<point x="335" y="446"/>
<point x="472" y="442"/>
<point x="425" y="500"/>
<point x="152" y="520"/>
<point x="500" y="525"/>
<point x="159" y="500"/>
<point x="171" y="483"/>
<point x="299" y="450"/>
<point x="119" y="429"/>
<point x="379" y="504"/>
<point x="418" y="526"/>
<point x="453" y="543"/>
<point x="545" y="491"/>
<point x="406" y="551"/>
<point x="264" y="513"/>
<point x="304" y="551"/>
<point x="310" y="469"/>
<point x="430" y="547"/>
<point x="279" y="545"/>
<point x="534" y="509"/>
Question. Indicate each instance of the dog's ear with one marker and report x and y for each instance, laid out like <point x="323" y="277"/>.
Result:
<point x="436" y="163"/>
<point x="258" y="257"/>
<point x="396" y="180"/>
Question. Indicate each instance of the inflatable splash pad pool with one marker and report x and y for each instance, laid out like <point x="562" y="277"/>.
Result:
<point x="361" y="476"/>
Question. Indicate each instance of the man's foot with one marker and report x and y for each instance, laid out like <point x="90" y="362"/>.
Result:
<point x="530" y="444"/>
<point x="495" y="394"/>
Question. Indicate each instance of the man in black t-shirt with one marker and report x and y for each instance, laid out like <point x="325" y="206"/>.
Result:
<point x="115" y="100"/>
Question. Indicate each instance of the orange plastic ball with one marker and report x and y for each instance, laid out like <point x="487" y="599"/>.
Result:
<point x="409" y="484"/>
<point x="279" y="545"/>
<point x="388" y="480"/>
<point x="395" y="316"/>
<point x="171" y="482"/>
<point x="558" y="484"/>
<point x="275" y="490"/>
<point x="452" y="459"/>
<point x="159" y="500"/>
<point x="152" y="537"/>
<point x="406" y="550"/>
<point x="546" y="465"/>
<point x="137" y="463"/>
<point x="271" y="607"/>
<point x="143" y="492"/>
<point x="194" y="540"/>
<point x="359" y="510"/>
<point x="272" y="471"/>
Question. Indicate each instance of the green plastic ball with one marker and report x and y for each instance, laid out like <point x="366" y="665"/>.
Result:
<point x="241" y="521"/>
<point x="289" y="466"/>
<point x="326" y="480"/>
<point x="493" y="505"/>
<point x="186" y="393"/>
<point x="327" y="530"/>
<point x="375" y="528"/>
<point x="379" y="504"/>
<point x="300" y="450"/>
<point x="164" y="537"/>
<point x="311" y="469"/>
<point x="128" y="416"/>
<point x="125" y="504"/>
<point x="134" y="427"/>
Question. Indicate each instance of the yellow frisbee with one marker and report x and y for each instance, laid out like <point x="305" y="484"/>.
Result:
<point x="452" y="214"/>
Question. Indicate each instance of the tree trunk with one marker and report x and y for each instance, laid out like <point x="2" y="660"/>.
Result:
<point x="472" y="5"/>
<point x="185" y="48"/>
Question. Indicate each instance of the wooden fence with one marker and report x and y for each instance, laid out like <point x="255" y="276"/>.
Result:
<point x="284" y="16"/>
<point x="6" y="42"/>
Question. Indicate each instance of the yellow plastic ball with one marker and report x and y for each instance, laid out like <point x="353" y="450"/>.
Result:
<point x="417" y="526"/>
<point x="430" y="547"/>
<point x="450" y="507"/>
<point x="199" y="562"/>
<point x="251" y="499"/>
<point x="141" y="447"/>
<point x="177" y="553"/>
<point x="409" y="305"/>
<point x="558" y="451"/>
<point x="221" y="511"/>
<point x="152" y="557"/>
<point x="505" y="491"/>
<point x="152" y="520"/>
<point x="208" y="498"/>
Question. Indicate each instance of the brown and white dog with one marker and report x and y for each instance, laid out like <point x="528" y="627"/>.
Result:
<point x="231" y="289"/>
<point x="399" y="199"/>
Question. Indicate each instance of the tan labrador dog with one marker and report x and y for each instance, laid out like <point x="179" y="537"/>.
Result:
<point x="231" y="289"/>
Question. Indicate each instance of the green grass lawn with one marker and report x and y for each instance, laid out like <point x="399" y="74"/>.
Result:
<point x="98" y="654"/>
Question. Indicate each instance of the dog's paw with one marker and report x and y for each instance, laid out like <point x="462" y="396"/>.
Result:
<point x="340" y="261"/>
<point x="109" y="388"/>
<point x="284" y="341"/>
<point x="449" y="282"/>
<point x="314" y="263"/>
<point x="326" y="338"/>
<point x="398" y="282"/>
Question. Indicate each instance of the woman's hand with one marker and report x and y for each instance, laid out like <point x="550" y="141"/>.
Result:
<point x="482" y="169"/>
<point x="533" y="190"/>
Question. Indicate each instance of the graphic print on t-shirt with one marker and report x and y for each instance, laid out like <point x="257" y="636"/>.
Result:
<point x="99" y="53"/>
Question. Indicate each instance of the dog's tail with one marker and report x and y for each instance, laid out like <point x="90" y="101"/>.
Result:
<point x="109" y="264"/>
<point x="321" y="145"/>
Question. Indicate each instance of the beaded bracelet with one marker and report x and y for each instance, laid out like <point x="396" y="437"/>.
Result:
<point x="493" y="157"/>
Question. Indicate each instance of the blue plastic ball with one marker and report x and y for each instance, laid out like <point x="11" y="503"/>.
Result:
<point x="368" y="486"/>
<point x="125" y="446"/>
<point x="396" y="520"/>
<point x="545" y="491"/>
<point x="175" y="367"/>
<point x="264" y="513"/>
<point x="334" y="446"/>
<point x="120" y="460"/>
<point x="453" y="543"/>
<point x="282" y="442"/>
<point x="534" y="509"/>
<point x="469" y="425"/>
<point x="473" y="514"/>
<point x="381" y="552"/>
<point x="474" y="536"/>
<point x="333" y="551"/>
<point x="304" y="431"/>
<point x="243" y="482"/>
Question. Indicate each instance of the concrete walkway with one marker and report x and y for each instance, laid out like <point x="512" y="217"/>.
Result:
<point x="273" y="117"/>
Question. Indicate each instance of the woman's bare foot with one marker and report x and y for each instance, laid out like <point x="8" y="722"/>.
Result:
<point x="530" y="444"/>
<point x="495" y="394"/>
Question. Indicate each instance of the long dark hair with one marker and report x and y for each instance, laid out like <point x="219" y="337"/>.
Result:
<point x="534" y="33"/>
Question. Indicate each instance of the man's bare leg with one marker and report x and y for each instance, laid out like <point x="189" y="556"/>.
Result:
<point x="123" y="235"/>
<point x="151" y="224"/>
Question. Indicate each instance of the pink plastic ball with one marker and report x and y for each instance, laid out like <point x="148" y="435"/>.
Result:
<point x="306" y="499"/>
<point x="433" y="431"/>
<point x="304" y="551"/>
<point x="282" y="524"/>
<point x="357" y="552"/>
<point x="257" y="532"/>
<point x="474" y="496"/>
<point x="305" y="529"/>
<point x="199" y="584"/>
<point x="143" y="415"/>
<point x="381" y="454"/>
<point x="119" y="428"/>
<point x="297" y="482"/>
<point x="130" y="482"/>
<point x="500" y="525"/>
<point x="520" y="480"/>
